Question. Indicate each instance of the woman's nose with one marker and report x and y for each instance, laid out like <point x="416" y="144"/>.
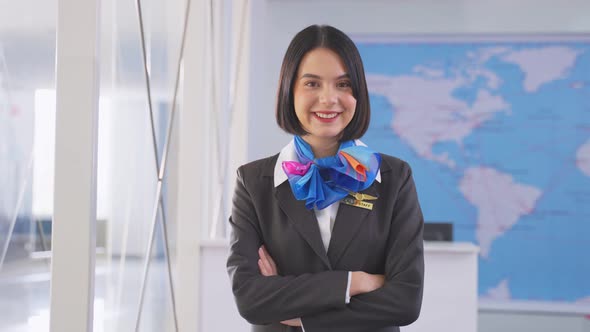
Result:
<point x="328" y="96"/>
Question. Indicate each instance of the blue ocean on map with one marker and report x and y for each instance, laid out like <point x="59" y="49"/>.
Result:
<point x="498" y="137"/>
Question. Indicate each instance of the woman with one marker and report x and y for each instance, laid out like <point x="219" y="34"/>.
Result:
<point x="326" y="235"/>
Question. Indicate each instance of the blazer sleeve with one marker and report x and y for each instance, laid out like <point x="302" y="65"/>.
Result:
<point x="263" y="300"/>
<point x="398" y="302"/>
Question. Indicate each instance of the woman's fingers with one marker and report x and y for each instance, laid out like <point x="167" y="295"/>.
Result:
<point x="292" y="322"/>
<point x="267" y="260"/>
<point x="263" y="264"/>
<point x="362" y="282"/>
<point x="264" y="261"/>
<point x="271" y="261"/>
<point x="263" y="269"/>
<point x="266" y="264"/>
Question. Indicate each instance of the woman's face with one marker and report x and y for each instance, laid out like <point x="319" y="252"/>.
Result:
<point x="322" y="93"/>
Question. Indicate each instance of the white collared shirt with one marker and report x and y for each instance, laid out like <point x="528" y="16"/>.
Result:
<point x="325" y="217"/>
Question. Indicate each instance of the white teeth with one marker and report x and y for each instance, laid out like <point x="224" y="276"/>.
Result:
<point x="327" y="116"/>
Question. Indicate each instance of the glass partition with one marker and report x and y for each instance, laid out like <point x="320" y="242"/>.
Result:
<point x="139" y="62"/>
<point x="27" y="128"/>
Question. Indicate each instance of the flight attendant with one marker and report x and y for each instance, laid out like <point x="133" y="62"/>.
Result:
<point x="326" y="234"/>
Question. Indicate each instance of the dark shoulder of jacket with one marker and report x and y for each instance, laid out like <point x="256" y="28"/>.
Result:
<point x="399" y="168"/>
<point x="257" y="169"/>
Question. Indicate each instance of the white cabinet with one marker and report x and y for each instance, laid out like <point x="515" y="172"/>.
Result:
<point x="450" y="288"/>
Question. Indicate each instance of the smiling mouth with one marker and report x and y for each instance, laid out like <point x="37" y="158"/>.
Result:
<point x="326" y="115"/>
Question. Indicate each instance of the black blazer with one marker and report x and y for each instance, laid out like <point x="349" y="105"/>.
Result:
<point x="312" y="283"/>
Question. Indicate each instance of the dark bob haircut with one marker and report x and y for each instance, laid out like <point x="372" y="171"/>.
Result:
<point x="310" y="38"/>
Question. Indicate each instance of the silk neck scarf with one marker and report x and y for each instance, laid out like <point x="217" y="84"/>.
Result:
<point x="323" y="181"/>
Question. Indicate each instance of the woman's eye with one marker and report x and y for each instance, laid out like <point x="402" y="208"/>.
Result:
<point x="344" y="84"/>
<point x="311" y="84"/>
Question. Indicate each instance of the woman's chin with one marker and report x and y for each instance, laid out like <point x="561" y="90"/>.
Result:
<point x="327" y="136"/>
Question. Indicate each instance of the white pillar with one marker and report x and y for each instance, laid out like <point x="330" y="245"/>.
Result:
<point x="193" y="142"/>
<point x="74" y="236"/>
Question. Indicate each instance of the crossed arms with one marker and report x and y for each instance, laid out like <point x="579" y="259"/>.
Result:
<point x="393" y="299"/>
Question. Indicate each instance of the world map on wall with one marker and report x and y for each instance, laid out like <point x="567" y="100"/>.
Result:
<point x="497" y="133"/>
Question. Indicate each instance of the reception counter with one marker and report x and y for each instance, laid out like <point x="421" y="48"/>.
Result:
<point x="450" y="290"/>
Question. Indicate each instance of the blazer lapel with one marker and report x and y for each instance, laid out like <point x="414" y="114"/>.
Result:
<point x="346" y="226"/>
<point x="303" y="219"/>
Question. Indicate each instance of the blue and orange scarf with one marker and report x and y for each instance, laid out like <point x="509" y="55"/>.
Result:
<point x="323" y="181"/>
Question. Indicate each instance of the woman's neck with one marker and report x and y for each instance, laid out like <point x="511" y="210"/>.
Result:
<point x="322" y="147"/>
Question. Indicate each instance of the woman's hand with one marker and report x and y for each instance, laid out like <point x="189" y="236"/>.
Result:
<point x="266" y="264"/>
<point x="292" y="322"/>
<point x="268" y="268"/>
<point x="362" y="282"/>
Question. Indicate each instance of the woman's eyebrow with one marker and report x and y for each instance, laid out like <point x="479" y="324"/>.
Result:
<point x="307" y="75"/>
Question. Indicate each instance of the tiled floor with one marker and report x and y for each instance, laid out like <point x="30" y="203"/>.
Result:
<point x="24" y="296"/>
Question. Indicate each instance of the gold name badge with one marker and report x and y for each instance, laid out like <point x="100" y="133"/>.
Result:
<point x="358" y="203"/>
